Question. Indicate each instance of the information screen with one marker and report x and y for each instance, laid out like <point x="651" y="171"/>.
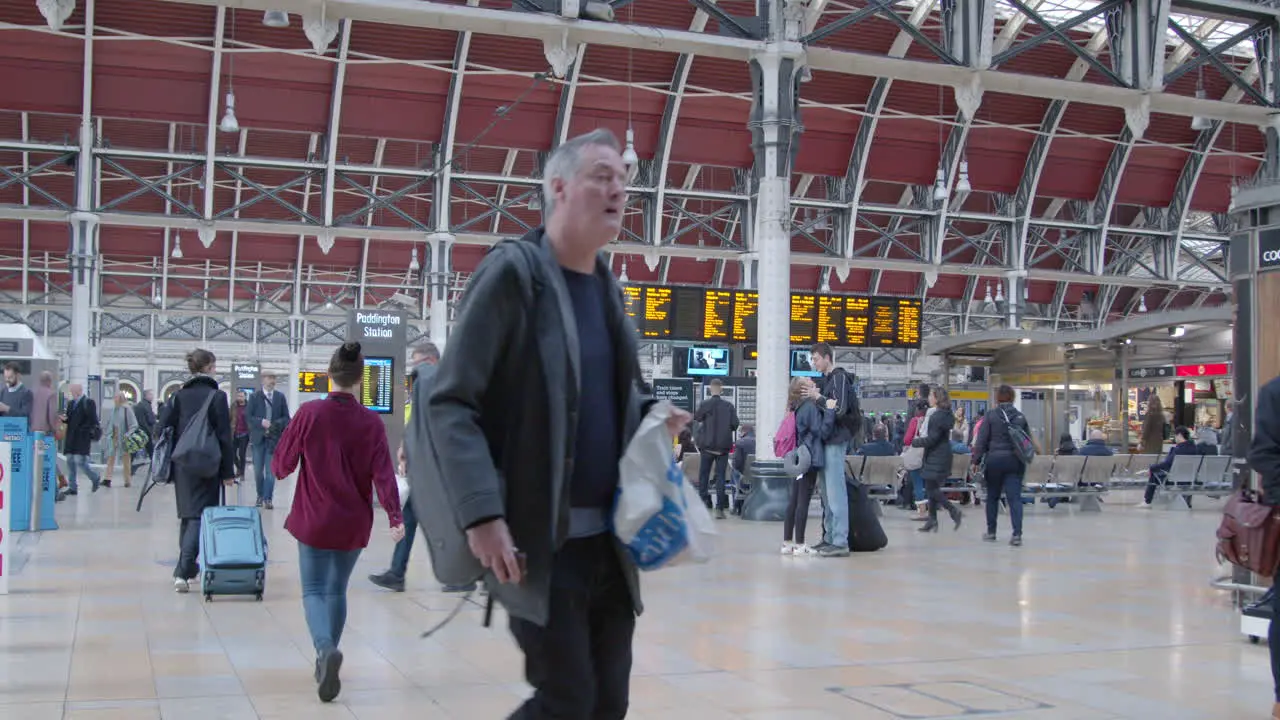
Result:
<point x="697" y="314"/>
<point x="313" y="382"/>
<point x="377" y="385"/>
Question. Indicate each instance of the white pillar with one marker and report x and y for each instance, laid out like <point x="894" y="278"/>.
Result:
<point x="775" y="129"/>
<point x="83" y="257"/>
<point x="441" y="244"/>
<point x="295" y="366"/>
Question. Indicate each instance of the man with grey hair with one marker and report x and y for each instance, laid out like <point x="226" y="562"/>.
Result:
<point x="535" y="416"/>
<point x="422" y="359"/>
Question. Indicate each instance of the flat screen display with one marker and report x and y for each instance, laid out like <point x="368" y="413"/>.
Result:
<point x="313" y="382"/>
<point x="700" y="314"/>
<point x="708" y="361"/>
<point x="377" y="385"/>
<point x="802" y="364"/>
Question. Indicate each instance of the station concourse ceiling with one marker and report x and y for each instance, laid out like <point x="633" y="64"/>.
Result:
<point x="385" y="92"/>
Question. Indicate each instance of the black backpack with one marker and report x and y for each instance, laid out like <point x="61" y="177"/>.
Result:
<point x="849" y="414"/>
<point x="197" y="453"/>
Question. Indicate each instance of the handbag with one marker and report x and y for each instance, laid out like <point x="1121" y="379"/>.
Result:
<point x="1249" y="534"/>
<point x="1021" y="441"/>
<point x="912" y="458"/>
<point x="797" y="462"/>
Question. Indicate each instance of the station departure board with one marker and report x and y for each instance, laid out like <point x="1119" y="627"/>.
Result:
<point x="698" y="314"/>
<point x="377" y="385"/>
<point x="313" y="382"/>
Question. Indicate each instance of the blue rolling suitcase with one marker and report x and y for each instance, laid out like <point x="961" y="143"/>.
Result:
<point x="233" y="551"/>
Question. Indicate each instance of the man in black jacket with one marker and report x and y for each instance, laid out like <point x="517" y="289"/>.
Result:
<point x="833" y="391"/>
<point x="536" y="413"/>
<point x="145" y="412"/>
<point x="717" y="420"/>
<point x="83" y="427"/>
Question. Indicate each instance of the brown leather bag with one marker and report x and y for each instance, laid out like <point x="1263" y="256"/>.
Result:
<point x="1249" y="535"/>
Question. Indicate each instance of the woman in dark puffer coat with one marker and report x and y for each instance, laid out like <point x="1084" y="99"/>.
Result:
<point x="936" y="441"/>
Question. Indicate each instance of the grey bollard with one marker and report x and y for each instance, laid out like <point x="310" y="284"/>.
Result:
<point x="770" y="491"/>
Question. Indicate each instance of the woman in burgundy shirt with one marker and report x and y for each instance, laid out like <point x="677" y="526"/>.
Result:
<point x="240" y="433"/>
<point x="344" y="453"/>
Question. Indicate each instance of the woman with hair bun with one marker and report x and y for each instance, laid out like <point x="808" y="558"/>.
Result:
<point x="193" y="493"/>
<point x="343" y="450"/>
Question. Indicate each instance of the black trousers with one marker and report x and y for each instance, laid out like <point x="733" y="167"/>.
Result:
<point x="241" y="444"/>
<point x="797" y="517"/>
<point x="580" y="664"/>
<point x="188" y="549"/>
<point x="937" y="498"/>
<point x="721" y="463"/>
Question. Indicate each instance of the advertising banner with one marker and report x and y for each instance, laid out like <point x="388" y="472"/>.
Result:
<point x="6" y="484"/>
<point x="13" y="430"/>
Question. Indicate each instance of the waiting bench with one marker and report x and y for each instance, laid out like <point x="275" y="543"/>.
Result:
<point x="1189" y="475"/>
<point x="1061" y="477"/>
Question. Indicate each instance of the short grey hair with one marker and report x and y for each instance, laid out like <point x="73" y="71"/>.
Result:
<point x="1097" y="434"/>
<point x="427" y="350"/>
<point x="566" y="160"/>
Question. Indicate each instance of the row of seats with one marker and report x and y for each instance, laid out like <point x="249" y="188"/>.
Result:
<point x="1056" y="477"/>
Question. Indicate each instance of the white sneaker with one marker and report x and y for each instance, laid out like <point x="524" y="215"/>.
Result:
<point x="180" y="585"/>
<point x="1144" y="505"/>
<point x="805" y="550"/>
<point x="788" y="549"/>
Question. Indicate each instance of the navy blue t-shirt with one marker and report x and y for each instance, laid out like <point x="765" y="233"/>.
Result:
<point x="595" y="472"/>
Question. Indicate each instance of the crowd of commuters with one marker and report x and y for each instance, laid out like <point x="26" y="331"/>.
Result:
<point x="536" y="415"/>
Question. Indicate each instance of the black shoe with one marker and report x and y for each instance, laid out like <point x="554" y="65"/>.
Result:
<point x="1016" y="541"/>
<point x="469" y="587"/>
<point x="930" y="526"/>
<point x="330" y="662"/>
<point x="834" y="551"/>
<point x="388" y="581"/>
<point x="720" y="513"/>
<point x="989" y="537"/>
<point x="956" y="516"/>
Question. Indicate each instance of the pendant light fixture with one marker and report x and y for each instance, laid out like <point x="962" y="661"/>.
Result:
<point x="275" y="18"/>
<point x="999" y="292"/>
<point x="940" y="186"/>
<point x="629" y="156"/>
<point x="229" y="123"/>
<point x="1197" y="122"/>
<point x="414" y="266"/>
<point x="1142" y="303"/>
<point x="177" y="247"/>
<point x="962" y="185"/>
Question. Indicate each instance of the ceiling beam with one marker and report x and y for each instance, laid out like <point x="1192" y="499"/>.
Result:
<point x="547" y="27"/>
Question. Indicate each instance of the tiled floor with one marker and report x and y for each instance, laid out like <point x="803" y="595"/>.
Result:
<point x="1098" y="616"/>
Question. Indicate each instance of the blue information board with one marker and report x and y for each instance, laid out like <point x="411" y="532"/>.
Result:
<point x="13" y="430"/>
<point x="48" y="479"/>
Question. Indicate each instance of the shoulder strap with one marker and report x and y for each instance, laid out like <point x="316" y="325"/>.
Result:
<point x="204" y="410"/>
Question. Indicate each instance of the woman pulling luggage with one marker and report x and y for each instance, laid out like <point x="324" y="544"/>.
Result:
<point x="344" y="453"/>
<point x="194" y="490"/>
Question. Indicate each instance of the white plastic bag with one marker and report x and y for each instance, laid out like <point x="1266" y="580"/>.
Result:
<point x="402" y="484"/>
<point x="658" y="516"/>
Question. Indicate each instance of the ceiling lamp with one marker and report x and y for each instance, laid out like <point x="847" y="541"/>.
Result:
<point x="535" y="201"/>
<point x="987" y="302"/>
<point x="962" y="185"/>
<point x="177" y="247"/>
<point x="413" y="260"/>
<point x="229" y="123"/>
<point x="1142" y="303"/>
<point x="999" y="292"/>
<point x="623" y="277"/>
<point x="275" y="19"/>
<point x="940" y="186"/>
<point x="629" y="156"/>
<point x="1197" y="122"/>
<point x="56" y="12"/>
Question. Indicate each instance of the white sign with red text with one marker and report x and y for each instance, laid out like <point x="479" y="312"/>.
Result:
<point x="6" y="485"/>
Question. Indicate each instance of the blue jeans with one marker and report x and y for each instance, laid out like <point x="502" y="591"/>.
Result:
<point x="324" y="592"/>
<point x="917" y="485"/>
<point x="400" y="556"/>
<point x="263" y="451"/>
<point x="76" y="463"/>
<point x="835" y="514"/>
